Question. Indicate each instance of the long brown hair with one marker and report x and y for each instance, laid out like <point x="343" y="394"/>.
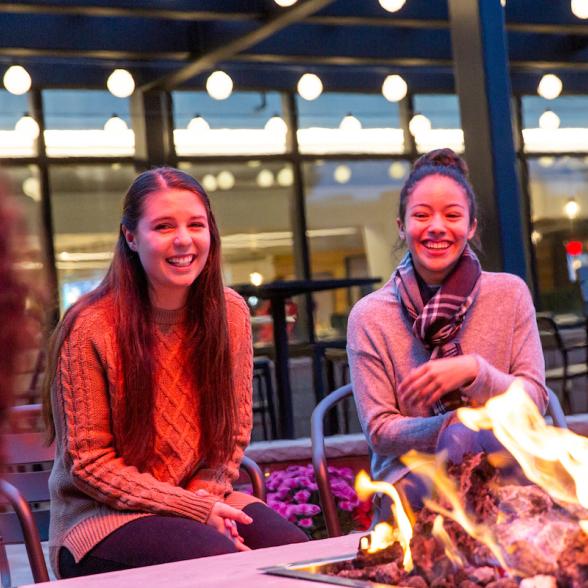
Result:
<point x="206" y="328"/>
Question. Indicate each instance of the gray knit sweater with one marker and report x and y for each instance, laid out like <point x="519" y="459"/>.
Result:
<point x="500" y="330"/>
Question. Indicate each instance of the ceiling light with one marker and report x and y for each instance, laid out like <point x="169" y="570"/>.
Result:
<point x="285" y="177"/>
<point x="120" y="83"/>
<point x="580" y="8"/>
<point x="503" y="2"/>
<point x="27" y="126"/>
<point x="397" y="170"/>
<point x="226" y="180"/>
<point x="17" y="80"/>
<point x="265" y="178"/>
<point x="549" y="87"/>
<point x="549" y="121"/>
<point x="256" y="278"/>
<point x="276" y="125"/>
<point x="285" y="3"/>
<point x="115" y="124"/>
<point x="419" y="124"/>
<point x="219" y="85"/>
<point x="571" y="208"/>
<point x="342" y="174"/>
<point x="350" y="123"/>
<point x="210" y="183"/>
<point x="310" y="86"/>
<point x="394" y="88"/>
<point x="392" y="5"/>
<point x="198" y="124"/>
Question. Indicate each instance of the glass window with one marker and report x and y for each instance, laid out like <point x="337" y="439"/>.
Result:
<point x="558" y="125"/>
<point x="349" y="123"/>
<point x="443" y="114"/>
<point x="246" y="123"/>
<point x="87" y="123"/>
<point x="14" y="142"/>
<point x="559" y="201"/>
<point x="252" y="203"/>
<point x="86" y="204"/>
<point x="351" y="209"/>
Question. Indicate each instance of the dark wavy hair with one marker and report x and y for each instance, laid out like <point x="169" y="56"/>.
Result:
<point x="443" y="162"/>
<point x="206" y="327"/>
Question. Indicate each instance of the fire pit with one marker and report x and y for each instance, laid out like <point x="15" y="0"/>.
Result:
<point x="480" y="529"/>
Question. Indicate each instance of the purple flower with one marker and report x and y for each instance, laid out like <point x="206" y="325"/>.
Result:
<point x="346" y="505"/>
<point x="306" y="523"/>
<point x="302" y="496"/>
<point x="307" y="510"/>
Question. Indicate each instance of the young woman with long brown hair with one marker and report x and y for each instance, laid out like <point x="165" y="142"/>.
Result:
<point x="149" y="398"/>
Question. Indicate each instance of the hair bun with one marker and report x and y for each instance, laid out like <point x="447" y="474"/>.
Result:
<point x="442" y="158"/>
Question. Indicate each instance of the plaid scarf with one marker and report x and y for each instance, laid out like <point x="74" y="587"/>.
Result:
<point x="437" y="322"/>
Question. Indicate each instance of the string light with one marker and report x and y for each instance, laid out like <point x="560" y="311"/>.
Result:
<point x="115" y="124"/>
<point x="419" y="124"/>
<point x="310" y="86"/>
<point x="549" y="87"/>
<point x="120" y="83"/>
<point x="265" y="178"/>
<point x="27" y="126"/>
<point x="219" y="85"/>
<point x="285" y="3"/>
<point x="209" y="183"/>
<point x="342" y="174"/>
<point x="394" y="88"/>
<point x="276" y="125"/>
<point x="285" y="177"/>
<point x="256" y="278"/>
<point x="571" y="208"/>
<point x="226" y="180"/>
<point x="580" y="8"/>
<point x="17" y="80"/>
<point x="549" y="121"/>
<point x="392" y="5"/>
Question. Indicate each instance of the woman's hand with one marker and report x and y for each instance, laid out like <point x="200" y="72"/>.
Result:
<point x="224" y="519"/>
<point x="427" y="383"/>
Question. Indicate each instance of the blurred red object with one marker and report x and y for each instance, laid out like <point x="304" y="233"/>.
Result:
<point x="574" y="247"/>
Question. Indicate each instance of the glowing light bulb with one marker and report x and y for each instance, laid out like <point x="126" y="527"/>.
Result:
<point x="285" y="3"/>
<point x="392" y="5"/>
<point x="571" y="208"/>
<point x="17" y="80"/>
<point x="419" y="124"/>
<point x="265" y="178"/>
<point x="342" y="174"/>
<point x="219" y="85"/>
<point x="120" y="83"/>
<point x="580" y="8"/>
<point x="226" y="180"/>
<point x="394" y="88"/>
<point x="209" y="183"/>
<point x="549" y="87"/>
<point x="198" y="124"/>
<point x="536" y="237"/>
<point x="27" y="126"/>
<point x="549" y="121"/>
<point x="350" y="123"/>
<point x="32" y="188"/>
<point x="397" y="170"/>
<point x="276" y="125"/>
<point x="115" y="124"/>
<point x="285" y="177"/>
<point x="256" y="278"/>
<point x="310" y="86"/>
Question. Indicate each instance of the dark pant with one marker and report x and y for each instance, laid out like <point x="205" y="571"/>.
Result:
<point x="162" y="539"/>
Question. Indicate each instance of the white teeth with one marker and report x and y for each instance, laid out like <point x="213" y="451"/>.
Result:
<point x="433" y="245"/>
<point x="180" y="260"/>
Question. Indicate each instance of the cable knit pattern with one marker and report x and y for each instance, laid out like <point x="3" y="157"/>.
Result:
<point x="93" y="491"/>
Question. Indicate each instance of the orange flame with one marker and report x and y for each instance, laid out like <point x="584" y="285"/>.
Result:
<point x="451" y="550"/>
<point x="555" y="459"/>
<point x="429" y="467"/>
<point x="384" y="532"/>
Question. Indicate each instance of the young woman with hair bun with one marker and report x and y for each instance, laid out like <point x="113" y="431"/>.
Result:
<point x="148" y="398"/>
<point x="441" y="333"/>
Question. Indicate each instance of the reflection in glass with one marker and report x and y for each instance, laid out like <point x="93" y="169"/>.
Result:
<point x="13" y="142"/>
<point x="352" y="230"/>
<point x="86" y="215"/>
<point x="559" y="201"/>
<point x="443" y="112"/>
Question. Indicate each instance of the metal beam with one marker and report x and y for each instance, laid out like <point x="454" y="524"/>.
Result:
<point x="481" y="68"/>
<point x="227" y="49"/>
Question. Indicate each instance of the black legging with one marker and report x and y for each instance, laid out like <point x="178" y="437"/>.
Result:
<point x="162" y="539"/>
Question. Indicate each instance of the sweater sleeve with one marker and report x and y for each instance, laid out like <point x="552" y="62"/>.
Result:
<point x="82" y="414"/>
<point x="218" y="481"/>
<point x="374" y="388"/>
<point x="526" y="360"/>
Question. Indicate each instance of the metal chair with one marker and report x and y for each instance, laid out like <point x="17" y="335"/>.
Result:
<point x="319" y="457"/>
<point x="255" y="474"/>
<point x="565" y="371"/>
<point x="263" y="395"/>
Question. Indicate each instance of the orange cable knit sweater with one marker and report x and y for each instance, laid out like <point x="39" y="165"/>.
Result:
<point x="93" y="491"/>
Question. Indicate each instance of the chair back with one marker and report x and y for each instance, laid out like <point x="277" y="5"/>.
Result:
<point x="319" y="457"/>
<point x="25" y="481"/>
<point x="255" y="474"/>
<point x="555" y="411"/>
<point x="549" y="333"/>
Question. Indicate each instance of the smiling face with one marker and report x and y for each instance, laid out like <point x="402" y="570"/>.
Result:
<point x="172" y="239"/>
<point x="437" y="226"/>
